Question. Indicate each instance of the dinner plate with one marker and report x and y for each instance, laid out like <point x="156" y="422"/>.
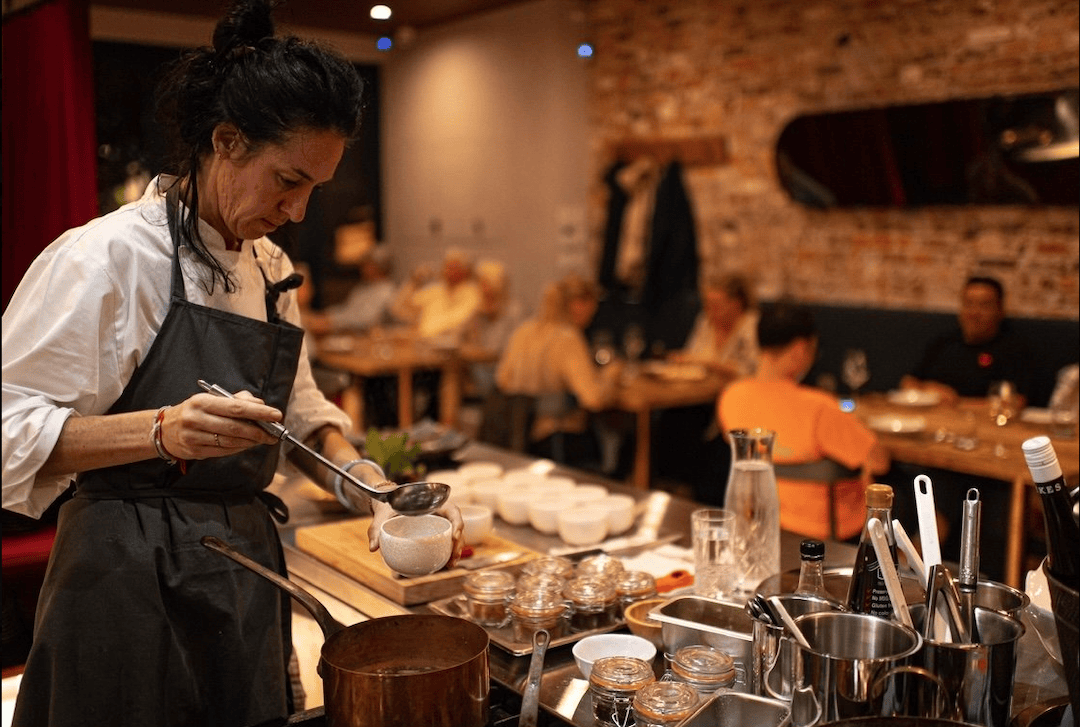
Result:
<point x="913" y="397"/>
<point x="896" y="424"/>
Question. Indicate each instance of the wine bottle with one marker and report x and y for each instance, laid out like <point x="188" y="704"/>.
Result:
<point x="1062" y="533"/>
<point x="867" y="592"/>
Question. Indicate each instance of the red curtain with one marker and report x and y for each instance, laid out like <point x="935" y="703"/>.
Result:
<point x="49" y="146"/>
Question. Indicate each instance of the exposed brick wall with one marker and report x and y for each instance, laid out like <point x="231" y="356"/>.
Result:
<point x="744" y="68"/>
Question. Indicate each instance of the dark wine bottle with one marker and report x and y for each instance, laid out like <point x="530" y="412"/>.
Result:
<point x="867" y="592"/>
<point x="1062" y="533"/>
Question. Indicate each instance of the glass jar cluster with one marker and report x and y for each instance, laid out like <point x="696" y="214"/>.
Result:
<point x="554" y="594"/>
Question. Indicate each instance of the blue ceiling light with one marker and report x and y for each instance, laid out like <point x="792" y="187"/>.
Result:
<point x="585" y="50"/>
<point x="384" y="43"/>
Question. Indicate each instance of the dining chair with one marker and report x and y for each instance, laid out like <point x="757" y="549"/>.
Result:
<point x="826" y="471"/>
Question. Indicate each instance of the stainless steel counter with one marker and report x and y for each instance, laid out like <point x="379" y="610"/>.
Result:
<point x="563" y="688"/>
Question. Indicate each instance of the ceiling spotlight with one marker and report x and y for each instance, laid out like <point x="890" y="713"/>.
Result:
<point x="585" y="50"/>
<point x="380" y="12"/>
<point x="384" y="43"/>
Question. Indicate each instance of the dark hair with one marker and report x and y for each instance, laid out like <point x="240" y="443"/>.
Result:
<point x="782" y="323"/>
<point x="265" y="86"/>
<point x="989" y="282"/>
<point x="734" y="286"/>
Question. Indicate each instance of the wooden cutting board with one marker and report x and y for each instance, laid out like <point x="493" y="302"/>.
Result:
<point x="344" y="546"/>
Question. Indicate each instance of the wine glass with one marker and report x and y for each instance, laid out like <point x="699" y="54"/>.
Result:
<point x="603" y="346"/>
<point x="1002" y="400"/>
<point x="855" y="371"/>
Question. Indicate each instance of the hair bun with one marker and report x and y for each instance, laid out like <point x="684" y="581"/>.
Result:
<point x="246" y="23"/>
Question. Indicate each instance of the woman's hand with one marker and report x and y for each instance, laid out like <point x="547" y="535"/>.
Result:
<point x="206" y="426"/>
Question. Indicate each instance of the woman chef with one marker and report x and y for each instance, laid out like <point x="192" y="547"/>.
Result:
<point x="103" y="345"/>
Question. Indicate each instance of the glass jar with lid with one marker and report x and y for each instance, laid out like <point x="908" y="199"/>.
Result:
<point x="531" y="611"/>
<point x="634" y="585"/>
<point x="704" y="668"/>
<point x="541" y="582"/>
<point x="602" y="565"/>
<point x="487" y="594"/>
<point x="553" y="564"/>
<point x="612" y="684"/>
<point x="664" y="704"/>
<point x="592" y="602"/>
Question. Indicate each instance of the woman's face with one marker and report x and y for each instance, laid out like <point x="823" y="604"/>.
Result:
<point x="722" y="309"/>
<point x="254" y="193"/>
<point x="581" y="311"/>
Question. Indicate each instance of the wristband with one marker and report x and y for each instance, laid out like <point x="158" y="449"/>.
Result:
<point x="159" y="445"/>
<point x="339" y="481"/>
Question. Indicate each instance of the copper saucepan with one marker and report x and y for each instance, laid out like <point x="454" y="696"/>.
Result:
<point x="397" y="670"/>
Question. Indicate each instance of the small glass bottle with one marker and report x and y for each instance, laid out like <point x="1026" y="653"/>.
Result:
<point x="704" y="668"/>
<point x="592" y="602"/>
<point x="811" y="569"/>
<point x="867" y="592"/>
<point x="633" y="585"/>
<point x="535" y="610"/>
<point x="613" y="682"/>
<point x="664" y="704"/>
<point x="487" y="593"/>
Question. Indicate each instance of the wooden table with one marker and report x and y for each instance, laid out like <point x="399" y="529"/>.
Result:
<point x="643" y="393"/>
<point x="399" y="354"/>
<point x="997" y="454"/>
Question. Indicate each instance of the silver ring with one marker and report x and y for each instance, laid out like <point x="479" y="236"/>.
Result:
<point x="217" y="439"/>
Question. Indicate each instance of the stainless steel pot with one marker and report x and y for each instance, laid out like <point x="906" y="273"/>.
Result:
<point x="397" y="670"/>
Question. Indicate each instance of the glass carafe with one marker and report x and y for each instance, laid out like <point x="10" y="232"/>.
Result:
<point x="753" y="497"/>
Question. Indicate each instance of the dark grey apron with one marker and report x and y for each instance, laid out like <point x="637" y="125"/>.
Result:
<point x="138" y="624"/>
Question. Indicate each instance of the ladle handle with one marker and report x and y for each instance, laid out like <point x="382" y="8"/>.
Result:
<point x="789" y="622"/>
<point x="530" y="698"/>
<point x="327" y="623"/>
<point x="905" y="544"/>
<point x="281" y="432"/>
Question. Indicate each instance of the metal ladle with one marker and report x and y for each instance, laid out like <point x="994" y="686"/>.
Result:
<point x="413" y="498"/>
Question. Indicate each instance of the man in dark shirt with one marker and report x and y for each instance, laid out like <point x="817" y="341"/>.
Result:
<point x="982" y="350"/>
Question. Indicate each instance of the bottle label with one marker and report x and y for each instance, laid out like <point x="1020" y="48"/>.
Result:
<point x="1049" y="488"/>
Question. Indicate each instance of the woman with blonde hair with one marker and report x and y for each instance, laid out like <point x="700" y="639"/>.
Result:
<point x="548" y="358"/>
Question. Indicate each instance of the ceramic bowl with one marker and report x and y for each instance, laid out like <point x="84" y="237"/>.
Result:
<point x="589" y="649"/>
<point x="559" y="484"/>
<point x="544" y="513"/>
<point x="480" y="470"/>
<point x="513" y="505"/>
<point x="416" y="546"/>
<point x="640" y="624"/>
<point x="587" y="494"/>
<point x="479" y="522"/>
<point x="583" y="525"/>
<point x="486" y="492"/>
<point x="620" y="512"/>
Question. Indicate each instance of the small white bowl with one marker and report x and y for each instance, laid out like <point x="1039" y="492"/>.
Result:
<point x="589" y="649"/>
<point x="416" y="546"/>
<point x="479" y="522"/>
<point x="587" y="494"/>
<point x="620" y="512"/>
<point x="513" y="505"/>
<point x="559" y="484"/>
<point x="544" y="513"/>
<point x="583" y="525"/>
<point x="480" y="470"/>
<point x="524" y="479"/>
<point x="486" y="492"/>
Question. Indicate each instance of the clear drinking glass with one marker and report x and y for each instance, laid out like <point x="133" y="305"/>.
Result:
<point x="716" y="553"/>
<point x="855" y="371"/>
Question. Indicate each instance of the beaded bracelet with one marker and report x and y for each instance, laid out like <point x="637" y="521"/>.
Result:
<point x="339" y="481"/>
<point x="159" y="445"/>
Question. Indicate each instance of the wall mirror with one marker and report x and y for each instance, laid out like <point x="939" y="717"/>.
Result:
<point x="1002" y="150"/>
